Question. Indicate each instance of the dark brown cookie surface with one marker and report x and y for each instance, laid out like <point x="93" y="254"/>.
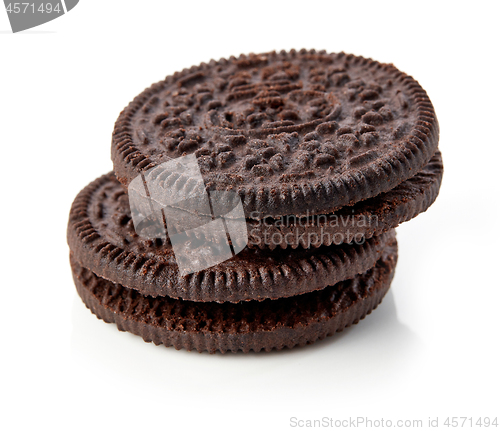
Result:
<point x="291" y="132"/>
<point x="363" y="220"/>
<point x="102" y="237"/>
<point x="253" y="325"/>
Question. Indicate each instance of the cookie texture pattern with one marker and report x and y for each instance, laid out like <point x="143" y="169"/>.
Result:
<point x="291" y="132"/>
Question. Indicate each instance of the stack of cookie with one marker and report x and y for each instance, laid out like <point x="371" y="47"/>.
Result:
<point x="326" y="153"/>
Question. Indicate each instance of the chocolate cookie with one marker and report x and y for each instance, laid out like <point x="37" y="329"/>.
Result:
<point x="293" y="133"/>
<point x="365" y="219"/>
<point x="252" y="325"/>
<point x="102" y="237"/>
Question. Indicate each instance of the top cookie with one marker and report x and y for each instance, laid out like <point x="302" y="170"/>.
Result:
<point x="293" y="133"/>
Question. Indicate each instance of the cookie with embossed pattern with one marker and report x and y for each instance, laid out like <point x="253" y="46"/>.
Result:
<point x="293" y="133"/>
<point x="102" y="238"/>
<point x="246" y="326"/>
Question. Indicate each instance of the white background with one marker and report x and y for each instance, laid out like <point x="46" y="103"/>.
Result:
<point x="430" y="350"/>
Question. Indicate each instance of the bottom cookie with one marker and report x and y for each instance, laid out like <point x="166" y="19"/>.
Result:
<point x="245" y="326"/>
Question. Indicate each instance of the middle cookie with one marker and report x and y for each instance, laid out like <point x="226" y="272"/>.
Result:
<point x="102" y="238"/>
